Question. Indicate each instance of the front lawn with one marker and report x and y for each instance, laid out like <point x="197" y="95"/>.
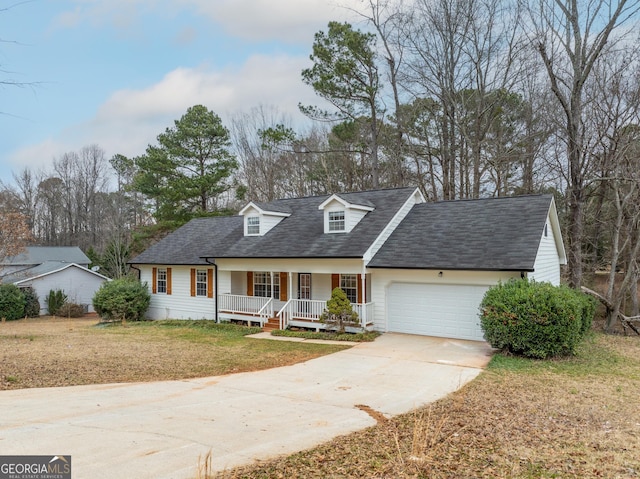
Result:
<point x="47" y="352"/>
<point x="521" y="418"/>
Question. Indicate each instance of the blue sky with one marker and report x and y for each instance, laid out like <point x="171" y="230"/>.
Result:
<point x="116" y="73"/>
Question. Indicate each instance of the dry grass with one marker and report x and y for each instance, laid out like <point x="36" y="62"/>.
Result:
<point x="572" y="418"/>
<point x="47" y="352"/>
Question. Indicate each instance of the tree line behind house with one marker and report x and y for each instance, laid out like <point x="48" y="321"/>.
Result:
<point x="462" y="99"/>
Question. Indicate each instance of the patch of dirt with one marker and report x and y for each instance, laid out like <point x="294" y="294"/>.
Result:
<point x="377" y="415"/>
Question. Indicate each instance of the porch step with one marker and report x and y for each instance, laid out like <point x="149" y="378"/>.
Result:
<point x="271" y="324"/>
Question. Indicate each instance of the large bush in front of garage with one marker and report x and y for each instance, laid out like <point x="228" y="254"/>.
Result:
<point x="536" y="320"/>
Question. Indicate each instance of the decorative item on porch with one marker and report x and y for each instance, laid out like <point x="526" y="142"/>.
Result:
<point x="339" y="313"/>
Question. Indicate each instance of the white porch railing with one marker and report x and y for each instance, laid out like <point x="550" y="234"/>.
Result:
<point x="254" y="305"/>
<point x="365" y="313"/>
<point x="311" y="310"/>
<point x="266" y="312"/>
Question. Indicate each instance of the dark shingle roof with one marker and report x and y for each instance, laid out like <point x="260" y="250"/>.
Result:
<point x="272" y="207"/>
<point x="300" y="235"/>
<point x="499" y="234"/>
<point x="185" y="245"/>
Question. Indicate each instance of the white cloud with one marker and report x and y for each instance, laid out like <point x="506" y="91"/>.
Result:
<point x="131" y="119"/>
<point x="291" y="21"/>
<point x="287" y="20"/>
<point x="35" y="157"/>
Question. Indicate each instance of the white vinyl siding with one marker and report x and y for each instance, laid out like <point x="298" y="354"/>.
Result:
<point x="233" y="282"/>
<point x="547" y="264"/>
<point x="180" y="304"/>
<point x="78" y="284"/>
<point x="353" y="218"/>
<point x="269" y="222"/>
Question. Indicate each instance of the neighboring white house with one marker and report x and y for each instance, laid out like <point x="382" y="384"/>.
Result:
<point x="406" y="265"/>
<point x="46" y="268"/>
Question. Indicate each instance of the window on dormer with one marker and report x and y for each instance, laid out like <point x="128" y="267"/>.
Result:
<point x="253" y="225"/>
<point x="336" y="221"/>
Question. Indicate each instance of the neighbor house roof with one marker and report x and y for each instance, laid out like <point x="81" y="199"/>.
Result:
<point x="33" y="255"/>
<point x="300" y="235"/>
<point x="44" y="269"/>
<point x="500" y="234"/>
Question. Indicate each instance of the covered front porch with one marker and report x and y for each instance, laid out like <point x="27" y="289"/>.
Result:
<point x="302" y="313"/>
<point x="290" y="298"/>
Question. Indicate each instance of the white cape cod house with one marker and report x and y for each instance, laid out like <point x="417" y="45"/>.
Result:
<point x="406" y="265"/>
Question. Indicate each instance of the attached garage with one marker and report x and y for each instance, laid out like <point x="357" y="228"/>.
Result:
<point x="430" y="275"/>
<point x="443" y="310"/>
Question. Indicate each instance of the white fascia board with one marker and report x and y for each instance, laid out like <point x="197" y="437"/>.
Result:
<point x="416" y="197"/>
<point x="261" y="211"/>
<point x="557" y="231"/>
<point x="344" y="203"/>
<point x="68" y="265"/>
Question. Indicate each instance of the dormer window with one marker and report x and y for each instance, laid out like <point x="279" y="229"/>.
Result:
<point x="341" y="216"/>
<point x="258" y="220"/>
<point x="253" y="225"/>
<point x="336" y="221"/>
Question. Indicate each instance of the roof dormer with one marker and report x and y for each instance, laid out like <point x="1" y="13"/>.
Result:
<point x="258" y="220"/>
<point x="340" y="216"/>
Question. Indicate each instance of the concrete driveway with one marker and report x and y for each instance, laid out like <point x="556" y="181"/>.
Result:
<point x="158" y="430"/>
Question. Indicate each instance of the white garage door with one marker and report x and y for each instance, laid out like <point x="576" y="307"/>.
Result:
<point x="449" y="311"/>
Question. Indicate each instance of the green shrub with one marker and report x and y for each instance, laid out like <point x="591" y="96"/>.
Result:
<point x="31" y="303"/>
<point x="589" y="305"/>
<point x="339" y="312"/>
<point x="71" y="310"/>
<point x="11" y="302"/>
<point x="122" y="300"/>
<point x="55" y="300"/>
<point x="536" y="320"/>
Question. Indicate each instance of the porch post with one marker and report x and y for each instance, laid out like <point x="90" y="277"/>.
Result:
<point x="290" y="286"/>
<point x="363" y="280"/>
<point x="271" y="285"/>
